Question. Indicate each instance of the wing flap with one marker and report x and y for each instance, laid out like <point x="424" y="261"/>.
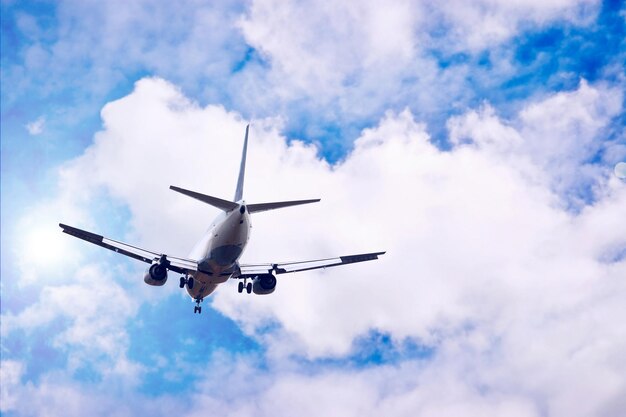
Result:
<point x="180" y="265"/>
<point x="251" y="270"/>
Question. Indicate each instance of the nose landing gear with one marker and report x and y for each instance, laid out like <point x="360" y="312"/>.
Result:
<point x="197" y="308"/>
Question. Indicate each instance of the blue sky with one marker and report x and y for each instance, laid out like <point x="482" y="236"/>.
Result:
<point x="475" y="142"/>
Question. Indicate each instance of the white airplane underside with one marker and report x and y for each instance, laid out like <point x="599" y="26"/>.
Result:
<point x="215" y="258"/>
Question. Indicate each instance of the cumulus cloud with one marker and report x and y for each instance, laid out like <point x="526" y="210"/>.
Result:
<point x="56" y="395"/>
<point x="505" y="253"/>
<point x="338" y="61"/>
<point x="96" y="309"/>
<point x="561" y="135"/>
<point x="10" y="374"/>
<point x="620" y="170"/>
<point x="357" y="57"/>
<point x="310" y="60"/>
<point x="456" y="383"/>
<point x="485" y="23"/>
<point x="515" y="294"/>
<point x="89" y="46"/>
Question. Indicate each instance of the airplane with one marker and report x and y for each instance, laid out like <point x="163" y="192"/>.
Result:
<point x="215" y="258"/>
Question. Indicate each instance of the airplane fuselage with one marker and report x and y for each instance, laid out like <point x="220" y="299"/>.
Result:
<point x="219" y="250"/>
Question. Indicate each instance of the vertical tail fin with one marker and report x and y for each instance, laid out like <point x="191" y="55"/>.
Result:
<point x="242" y="168"/>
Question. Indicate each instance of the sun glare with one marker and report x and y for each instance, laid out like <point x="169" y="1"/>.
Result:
<point x="44" y="246"/>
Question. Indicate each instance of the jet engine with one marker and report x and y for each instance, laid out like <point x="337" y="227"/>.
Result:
<point x="156" y="275"/>
<point x="264" y="284"/>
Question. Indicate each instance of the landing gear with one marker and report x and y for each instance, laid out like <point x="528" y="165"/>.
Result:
<point x="242" y="285"/>
<point x="197" y="308"/>
<point x="189" y="281"/>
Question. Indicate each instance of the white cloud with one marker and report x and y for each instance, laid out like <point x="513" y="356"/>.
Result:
<point x="478" y="25"/>
<point x="84" y="48"/>
<point x="357" y="55"/>
<point x="560" y="135"/>
<point x="10" y="375"/>
<point x="339" y="61"/>
<point x="301" y="41"/>
<point x="56" y="395"/>
<point x="517" y="296"/>
<point x="36" y="127"/>
<point x="573" y="121"/>
<point x="448" y="386"/>
<point x="96" y="308"/>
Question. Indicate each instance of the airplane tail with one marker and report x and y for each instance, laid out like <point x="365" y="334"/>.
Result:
<point x="242" y="168"/>
<point x="214" y="201"/>
<point x="255" y="208"/>
<point x="226" y="205"/>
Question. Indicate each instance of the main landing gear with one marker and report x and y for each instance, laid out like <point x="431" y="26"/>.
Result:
<point x="243" y="285"/>
<point x="188" y="281"/>
<point x="197" y="308"/>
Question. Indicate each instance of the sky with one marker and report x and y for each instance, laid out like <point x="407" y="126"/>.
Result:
<point x="478" y="143"/>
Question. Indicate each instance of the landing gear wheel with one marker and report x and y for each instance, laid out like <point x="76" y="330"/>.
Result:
<point x="240" y="287"/>
<point x="182" y="282"/>
<point x="249" y="288"/>
<point x="197" y="308"/>
<point x="190" y="283"/>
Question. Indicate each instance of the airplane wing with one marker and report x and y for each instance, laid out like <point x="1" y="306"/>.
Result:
<point x="180" y="265"/>
<point x="252" y="270"/>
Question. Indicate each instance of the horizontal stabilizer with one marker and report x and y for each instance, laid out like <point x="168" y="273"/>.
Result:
<point x="214" y="201"/>
<point x="255" y="208"/>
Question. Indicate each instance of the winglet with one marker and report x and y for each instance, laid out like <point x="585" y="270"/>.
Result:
<point x="242" y="168"/>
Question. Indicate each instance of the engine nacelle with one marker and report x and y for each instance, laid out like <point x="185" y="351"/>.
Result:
<point x="156" y="275"/>
<point x="264" y="284"/>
